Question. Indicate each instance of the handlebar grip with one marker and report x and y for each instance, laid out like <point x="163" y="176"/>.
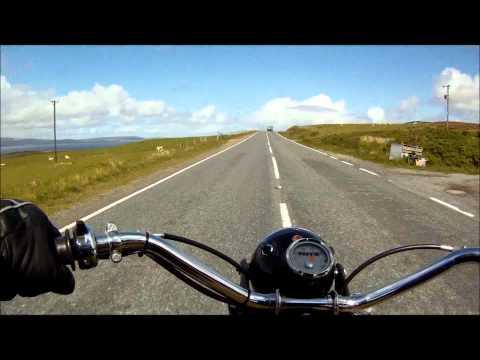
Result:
<point x="63" y="247"/>
<point x="81" y="246"/>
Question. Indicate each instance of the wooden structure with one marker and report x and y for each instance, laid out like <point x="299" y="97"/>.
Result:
<point x="400" y="151"/>
<point x="408" y="150"/>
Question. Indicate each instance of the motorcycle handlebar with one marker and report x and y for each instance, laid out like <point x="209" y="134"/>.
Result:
<point x="86" y="249"/>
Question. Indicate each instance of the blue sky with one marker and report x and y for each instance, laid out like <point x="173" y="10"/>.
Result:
<point x="234" y="86"/>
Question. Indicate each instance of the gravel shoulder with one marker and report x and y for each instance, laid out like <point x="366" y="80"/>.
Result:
<point x="461" y="190"/>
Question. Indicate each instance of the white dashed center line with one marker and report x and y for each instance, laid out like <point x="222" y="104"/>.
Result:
<point x="452" y="207"/>
<point x="345" y="162"/>
<point x="333" y="157"/>
<point x="275" y="168"/>
<point x="286" y="222"/>
<point x="368" y="171"/>
<point x="269" y="147"/>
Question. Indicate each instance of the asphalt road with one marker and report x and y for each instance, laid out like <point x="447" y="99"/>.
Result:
<point x="232" y="201"/>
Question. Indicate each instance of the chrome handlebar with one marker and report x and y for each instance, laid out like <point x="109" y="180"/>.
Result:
<point x="86" y="249"/>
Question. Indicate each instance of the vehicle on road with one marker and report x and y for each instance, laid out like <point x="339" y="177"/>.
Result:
<point x="292" y="272"/>
<point x="270" y="128"/>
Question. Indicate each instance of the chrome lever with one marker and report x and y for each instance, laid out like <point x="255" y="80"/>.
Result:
<point x="111" y="232"/>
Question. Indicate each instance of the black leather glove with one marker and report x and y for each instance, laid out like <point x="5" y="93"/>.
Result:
<point x="28" y="264"/>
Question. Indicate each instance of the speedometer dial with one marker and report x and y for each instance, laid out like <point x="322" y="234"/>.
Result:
<point x="309" y="258"/>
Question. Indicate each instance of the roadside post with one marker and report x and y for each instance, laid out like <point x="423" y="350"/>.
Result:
<point x="447" y="97"/>
<point x="54" y="102"/>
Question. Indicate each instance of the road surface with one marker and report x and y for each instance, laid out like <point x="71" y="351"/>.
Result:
<point x="232" y="201"/>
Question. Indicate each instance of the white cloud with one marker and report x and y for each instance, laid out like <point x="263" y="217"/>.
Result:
<point x="4" y="83"/>
<point x="206" y="115"/>
<point x="376" y="114"/>
<point x="26" y="112"/>
<point x="23" y="107"/>
<point x="409" y="104"/>
<point x="109" y="101"/>
<point x="464" y="92"/>
<point x="284" y="112"/>
<point x="321" y="102"/>
<point x="110" y="109"/>
<point x="405" y="111"/>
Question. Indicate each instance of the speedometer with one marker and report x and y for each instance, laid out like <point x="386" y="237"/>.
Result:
<point x="309" y="258"/>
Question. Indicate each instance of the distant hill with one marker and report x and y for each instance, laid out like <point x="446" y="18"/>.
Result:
<point x="458" y="125"/>
<point x="8" y="141"/>
<point x="15" y="145"/>
<point x="451" y="124"/>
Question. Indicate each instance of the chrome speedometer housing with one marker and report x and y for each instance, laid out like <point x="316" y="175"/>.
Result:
<point x="309" y="258"/>
<point x="275" y="265"/>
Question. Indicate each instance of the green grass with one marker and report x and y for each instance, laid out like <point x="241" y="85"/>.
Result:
<point x="54" y="187"/>
<point x="456" y="150"/>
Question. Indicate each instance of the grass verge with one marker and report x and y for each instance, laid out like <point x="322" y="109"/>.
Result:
<point x="456" y="150"/>
<point x="54" y="186"/>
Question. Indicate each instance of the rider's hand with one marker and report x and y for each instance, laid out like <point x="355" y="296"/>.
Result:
<point x="28" y="265"/>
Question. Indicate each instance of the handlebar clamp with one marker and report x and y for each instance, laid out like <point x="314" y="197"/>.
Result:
<point x="278" y="302"/>
<point x="335" y="309"/>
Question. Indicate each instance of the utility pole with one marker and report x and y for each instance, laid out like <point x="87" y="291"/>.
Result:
<point x="447" y="97"/>
<point x="54" y="128"/>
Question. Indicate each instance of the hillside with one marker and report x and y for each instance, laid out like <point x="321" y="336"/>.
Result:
<point x="455" y="150"/>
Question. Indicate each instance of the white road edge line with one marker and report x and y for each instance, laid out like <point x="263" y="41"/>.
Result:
<point x="371" y="172"/>
<point x="452" y="207"/>
<point x="368" y="171"/>
<point x="286" y="222"/>
<point x="115" y="203"/>
<point x="361" y="169"/>
<point x="270" y="149"/>
<point x="275" y="168"/>
<point x="306" y="147"/>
